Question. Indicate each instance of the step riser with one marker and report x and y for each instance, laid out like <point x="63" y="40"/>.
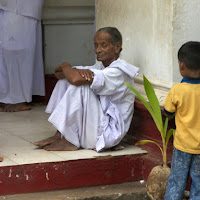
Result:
<point x="70" y="174"/>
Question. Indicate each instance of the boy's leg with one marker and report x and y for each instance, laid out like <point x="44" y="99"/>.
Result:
<point x="179" y="175"/>
<point x="195" y="175"/>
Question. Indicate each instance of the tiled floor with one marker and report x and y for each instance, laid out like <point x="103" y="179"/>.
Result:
<point x="18" y="131"/>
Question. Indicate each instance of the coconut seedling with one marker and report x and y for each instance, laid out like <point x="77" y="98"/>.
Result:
<point x="157" y="179"/>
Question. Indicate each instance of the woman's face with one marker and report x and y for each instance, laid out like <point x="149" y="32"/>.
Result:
<point x="105" y="51"/>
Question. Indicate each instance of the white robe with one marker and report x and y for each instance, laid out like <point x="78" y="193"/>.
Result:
<point x="21" y="62"/>
<point x="28" y="8"/>
<point x="96" y="116"/>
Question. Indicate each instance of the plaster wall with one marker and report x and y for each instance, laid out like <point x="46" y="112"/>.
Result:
<point x="186" y="28"/>
<point x="146" y="27"/>
<point x="152" y="31"/>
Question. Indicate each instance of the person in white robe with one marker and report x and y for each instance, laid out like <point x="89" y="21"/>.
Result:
<point x="21" y="62"/>
<point x="90" y="106"/>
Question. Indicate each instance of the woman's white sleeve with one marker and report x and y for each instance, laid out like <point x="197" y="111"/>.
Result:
<point x="107" y="81"/>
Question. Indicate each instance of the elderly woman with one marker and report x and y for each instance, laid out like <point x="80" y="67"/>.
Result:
<point x="91" y="107"/>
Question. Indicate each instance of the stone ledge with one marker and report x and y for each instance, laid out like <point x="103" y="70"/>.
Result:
<point x="128" y="191"/>
<point x="68" y="15"/>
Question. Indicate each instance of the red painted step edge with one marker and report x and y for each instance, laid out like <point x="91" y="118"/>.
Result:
<point x="70" y="174"/>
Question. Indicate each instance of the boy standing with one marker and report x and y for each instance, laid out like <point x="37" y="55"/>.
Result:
<point x="184" y="100"/>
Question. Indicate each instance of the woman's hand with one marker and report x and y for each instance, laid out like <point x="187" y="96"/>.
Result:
<point x="58" y="72"/>
<point x="86" y="74"/>
<point x="74" y="76"/>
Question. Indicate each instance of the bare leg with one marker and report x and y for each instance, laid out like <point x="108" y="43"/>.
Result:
<point x="61" y="145"/>
<point x="14" y="107"/>
<point x="49" y="140"/>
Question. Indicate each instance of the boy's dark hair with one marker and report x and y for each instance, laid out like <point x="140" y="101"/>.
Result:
<point x="116" y="36"/>
<point x="189" y="54"/>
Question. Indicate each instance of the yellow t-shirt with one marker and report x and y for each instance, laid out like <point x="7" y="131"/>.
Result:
<point x="184" y="100"/>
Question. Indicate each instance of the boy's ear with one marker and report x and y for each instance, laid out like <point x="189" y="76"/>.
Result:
<point x="181" y="65"/>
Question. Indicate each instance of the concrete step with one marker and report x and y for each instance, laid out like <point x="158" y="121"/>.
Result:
<point x="35" y="170"/>
<point x="124" y="191"/>
<point x="93" y="171"/>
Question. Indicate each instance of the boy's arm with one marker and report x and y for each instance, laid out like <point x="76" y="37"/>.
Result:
<point x="170" y="104"/>
<point x="169" y="114"/>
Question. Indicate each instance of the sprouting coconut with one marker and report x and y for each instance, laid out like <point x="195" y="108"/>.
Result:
<point x="157" y="179"/>
<point x="157" y="182"/>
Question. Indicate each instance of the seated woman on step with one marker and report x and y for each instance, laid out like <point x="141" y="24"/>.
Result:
<point x="90" y="106"/>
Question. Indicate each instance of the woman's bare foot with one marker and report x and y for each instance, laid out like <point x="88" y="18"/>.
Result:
<point x="117" y="147"/>
<point x="2" y="104"/>
<point x="61" y="145"/>
<point x="14" y="107"/>
<point x="49" y="140"/>
<point x="1" y="159"/>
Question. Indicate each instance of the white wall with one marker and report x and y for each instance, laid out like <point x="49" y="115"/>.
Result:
<point x="153" y="31"/>
<point x="145" y="26"/>
<point x="186" y="27"/>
